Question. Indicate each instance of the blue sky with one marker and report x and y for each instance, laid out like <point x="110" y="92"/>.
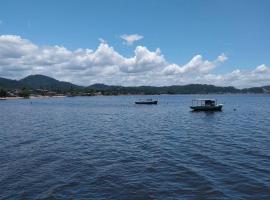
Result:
<point x="180" y="29"/>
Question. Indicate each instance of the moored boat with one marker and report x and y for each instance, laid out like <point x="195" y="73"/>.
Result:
<point x="206" y="105"/>
<point x="147" y="101"/>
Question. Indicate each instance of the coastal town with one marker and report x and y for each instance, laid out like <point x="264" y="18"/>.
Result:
<point x="40" y="93"/>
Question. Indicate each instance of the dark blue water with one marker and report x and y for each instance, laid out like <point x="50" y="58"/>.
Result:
<point x="109" y="148"/>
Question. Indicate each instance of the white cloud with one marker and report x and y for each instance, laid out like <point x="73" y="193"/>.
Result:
<point x="130" y="39"/>
<point x="195" y="65"/>
<point x="20" y="57"/>
<point x="12" y="46"/>
<point x="262" y="69"/>
<point x="143" y="60"/>
<point x="101" y="40"/>
<point x="260" y="76"/>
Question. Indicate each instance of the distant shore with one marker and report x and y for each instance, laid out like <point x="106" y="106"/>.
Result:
<point x="36" y="85"/>
<point x="64" y="96"/>
<point x="32" y="97"/>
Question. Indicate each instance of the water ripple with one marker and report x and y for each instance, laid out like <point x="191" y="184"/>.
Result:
<point x="109" y="148"/>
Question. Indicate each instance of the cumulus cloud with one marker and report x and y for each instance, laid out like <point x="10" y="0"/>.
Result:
<point x="261" y="69"/>
<point x="130" y="39"/>
<point x="20" y="57"/>
<point x="196" y="64"/>
<point x="12" y="46"/>
<point x="19" y="54"/>
<point x="143" y="60"/>
<point x="260" y="76"/>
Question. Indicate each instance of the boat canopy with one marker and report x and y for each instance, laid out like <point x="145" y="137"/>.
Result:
<point x="204" y="102"/>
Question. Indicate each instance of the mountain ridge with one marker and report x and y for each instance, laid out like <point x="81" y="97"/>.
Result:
<point x="39" y="81"/>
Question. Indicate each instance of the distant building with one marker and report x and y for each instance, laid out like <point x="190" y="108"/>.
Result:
<point x="51" y="94"/>
<point x="10" y="94"/>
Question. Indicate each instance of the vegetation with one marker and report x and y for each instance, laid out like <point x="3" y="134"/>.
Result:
<point x="48" y="83"/>
<point x="9" y="84"/>
<point x="35" y="82"/>
<point x="3" y="93"/>
<point x="25" y="93"/>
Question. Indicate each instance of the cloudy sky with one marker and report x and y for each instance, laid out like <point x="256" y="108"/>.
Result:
<point x="137" y="42"/>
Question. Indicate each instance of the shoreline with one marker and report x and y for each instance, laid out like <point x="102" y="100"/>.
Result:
<point x="31" y="97"/>
<point x="64" y="96"/>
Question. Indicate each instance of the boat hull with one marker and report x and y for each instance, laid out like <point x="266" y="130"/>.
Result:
<point x="146" y="102"/>
<point x="206" y="108"/>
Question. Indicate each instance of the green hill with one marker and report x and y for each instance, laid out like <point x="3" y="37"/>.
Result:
<point x="176" y="89"/>
<point x="9" y="84"/>
<point x="44" y="82"/>
<point x="263" y="89"/>
<point x="48" y="83"/>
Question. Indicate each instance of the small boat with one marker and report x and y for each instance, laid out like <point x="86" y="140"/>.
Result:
<point x="147" y="101"/>
<point x="206" y="105"/>
<point x="2" y="98"/>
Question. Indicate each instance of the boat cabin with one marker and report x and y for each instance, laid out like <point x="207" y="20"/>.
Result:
<point x="205" y="105"/>
<point x="147" y="101"/>
<point x="204" y="102"/>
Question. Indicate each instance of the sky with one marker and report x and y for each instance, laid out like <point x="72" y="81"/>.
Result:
<point x="137" y="42"/>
